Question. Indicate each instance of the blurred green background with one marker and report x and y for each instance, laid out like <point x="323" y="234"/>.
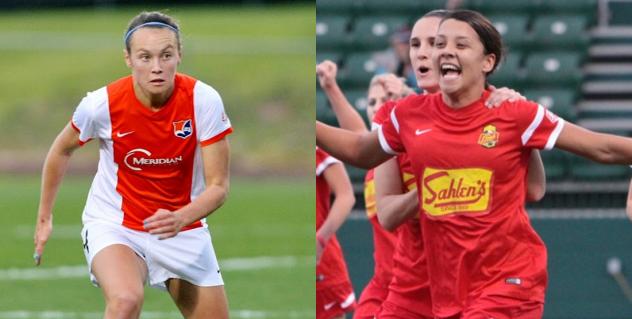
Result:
<point x="259" y="58"/>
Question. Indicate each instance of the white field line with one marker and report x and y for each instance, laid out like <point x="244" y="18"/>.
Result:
<point x="95" y="41"/>
<point x="244" y="314"/>
<point x="230" y="264"/>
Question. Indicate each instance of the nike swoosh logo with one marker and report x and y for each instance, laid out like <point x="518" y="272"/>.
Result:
<point x="329" y="305"/>
<point x="419" y="132"/>
<point x="119" y="134"/>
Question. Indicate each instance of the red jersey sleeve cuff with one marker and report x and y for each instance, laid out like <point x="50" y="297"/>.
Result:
<point x="216" y="137"/>
<point x="78" y="131"/>
<point x="74" y="126"/>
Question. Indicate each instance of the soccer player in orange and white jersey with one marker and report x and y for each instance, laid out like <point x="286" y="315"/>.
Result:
<point x="334" y="292"/>
<point x="484" y="258"/>
<point x="163" y="168"/>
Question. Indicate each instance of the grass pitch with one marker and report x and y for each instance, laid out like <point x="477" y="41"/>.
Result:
<point x="262" y="236"/>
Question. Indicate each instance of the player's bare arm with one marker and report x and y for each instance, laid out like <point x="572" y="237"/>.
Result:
<point x="599" y="147"/>
<point x="393" y="206"/>
<point x="53" y="172"/>
<point x="536" y="177"/>
<point x="358" y="149"/>
<point x="340" y="186"/>
<point x="216" y="158"/>
<point x="347" y="116"/>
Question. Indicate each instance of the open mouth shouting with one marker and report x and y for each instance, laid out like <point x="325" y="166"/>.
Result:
<point x="450" y="71"/>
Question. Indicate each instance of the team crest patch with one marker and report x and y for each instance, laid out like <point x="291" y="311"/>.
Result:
<point x="182" y="129"/>
<point x="489" y="137"/>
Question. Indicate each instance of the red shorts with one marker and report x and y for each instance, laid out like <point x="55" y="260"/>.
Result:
<point x="390" y="310"/>
<point x="370" y="301"/>
<point x="501" y="307"/>
<point x="334" y="301"/>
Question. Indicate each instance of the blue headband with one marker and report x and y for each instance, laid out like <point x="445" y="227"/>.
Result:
<point x="149" y="24"/>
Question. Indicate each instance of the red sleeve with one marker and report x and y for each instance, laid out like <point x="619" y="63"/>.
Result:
<point x="388" y="134"/>
<point x="383" y="114"/>
<point x="323" y="160"/>
<point x="540" y="127"/>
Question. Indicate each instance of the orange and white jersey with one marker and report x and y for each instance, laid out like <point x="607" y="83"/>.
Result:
<point x="148" y="160"/>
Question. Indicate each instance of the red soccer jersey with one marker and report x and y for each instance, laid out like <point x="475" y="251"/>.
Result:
<point x="409" y="288"/>
<point x="332" y="269"/>
<point x="470" y="166"/>
<point x="383" y="241"/>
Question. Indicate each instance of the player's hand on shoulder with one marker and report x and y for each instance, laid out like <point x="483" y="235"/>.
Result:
<point x="327" y="71"/>
<point x="498" y="96"/>
<point x="164" y="223"/>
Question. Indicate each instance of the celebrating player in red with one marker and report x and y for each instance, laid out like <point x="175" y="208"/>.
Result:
<point x="163" y="168"/>
<point x="408" y="292"/>
<point x="484" y="258"/>
<point x="334" y="293"/>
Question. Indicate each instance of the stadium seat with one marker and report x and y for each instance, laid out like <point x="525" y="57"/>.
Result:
<point x="508" y="73"/>
<point x="356" y="175"/>
<point x="333" y="56"/>
<point x="331" y="32"/>
<point x="587" y="8"/>
<point x="488" y="7"/>
<point x="394" y="7"/>
<point x="357" y="98"/>
<point x="358" y="70"/>
<point x="557" y="68"/>
<point x="373" y="33"/>
<point x="512" y="28"/>
<point x="321" y="101"/>
<point x="346" y="7"/>
<point x="560" y="32"/>
<point x="414" y="8"/>
<point x="583" y="169"/>
<point x="556" y="164"/>
<point x="559" y="101"/>
<point x="323" y="111"/>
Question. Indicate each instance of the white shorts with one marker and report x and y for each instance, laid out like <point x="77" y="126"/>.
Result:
<point x="189" y="255"/>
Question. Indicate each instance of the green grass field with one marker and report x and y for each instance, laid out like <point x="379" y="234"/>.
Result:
<point x="262" y="236"/>
<point x="260" y="59"/>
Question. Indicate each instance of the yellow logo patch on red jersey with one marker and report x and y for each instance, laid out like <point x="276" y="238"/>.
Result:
<point x="409" y="181"/>
<point x="489" y="137"/>
<point x="449" y="191"/>
<point x="369" y="198"/>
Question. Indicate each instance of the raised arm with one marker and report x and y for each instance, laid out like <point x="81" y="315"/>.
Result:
<point x="358" y="149"/>
<point x="536" y="178"/>
<point x="53" y="172"/>
<point x="341" y="188"/>
<point x="393" y="206"/>
<point x="216" y="158"/>
<point x="347" y="116"/>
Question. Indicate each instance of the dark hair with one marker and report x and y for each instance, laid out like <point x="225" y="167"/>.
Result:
<point x="153" y="16"/>
<point x="487" y="33"/>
